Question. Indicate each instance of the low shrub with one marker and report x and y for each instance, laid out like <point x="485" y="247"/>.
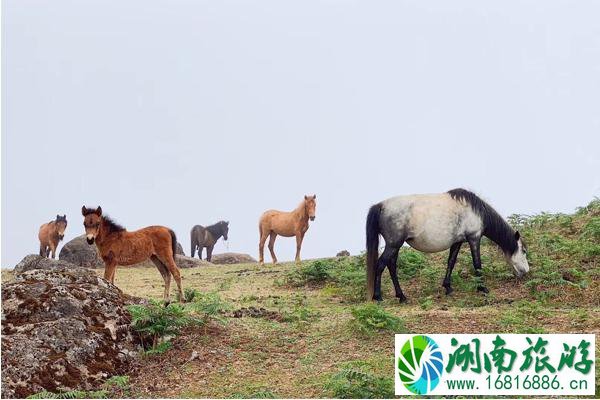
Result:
<point x="354" y="381"/>
<point x="371" y="318"/>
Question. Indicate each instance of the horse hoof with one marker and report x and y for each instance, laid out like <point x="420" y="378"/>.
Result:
<point x="449" y="290"/>
<point x="402" y="299"/>
<point x="483" y="289"/>
<point x="378" y="299"/>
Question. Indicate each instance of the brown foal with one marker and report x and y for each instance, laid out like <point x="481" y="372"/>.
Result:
<point x="117" y="246"/>
<point x="288" y="224"/>
<point x="50" y="234"/>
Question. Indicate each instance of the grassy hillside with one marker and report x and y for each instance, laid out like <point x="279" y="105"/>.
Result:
<point x="307" y="331"/>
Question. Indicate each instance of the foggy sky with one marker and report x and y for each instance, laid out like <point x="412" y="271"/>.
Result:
<point x="187" y="112"/>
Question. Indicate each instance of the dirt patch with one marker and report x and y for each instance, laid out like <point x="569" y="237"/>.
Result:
<point x="257" y="312"/>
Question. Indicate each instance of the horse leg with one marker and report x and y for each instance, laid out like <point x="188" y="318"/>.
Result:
<point x="53" y="250"/>
<point x="475" y="254"/>
<point x="193" y="252"/>
<point x="165" y="275"/>
<point x="382" y="262"/>
<point x="209" y="250"/>
<point x="393" y="268"/>
<point x="261" y="248"/>
<point x="169" y="261"/>
<point x="200" y="249"/>
<point x="109" y="271"/>
<point x="272" y="238"/>
<point x="447" y="283"/>
<point x="299" y="239"/>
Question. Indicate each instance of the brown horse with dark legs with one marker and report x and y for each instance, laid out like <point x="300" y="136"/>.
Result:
<point x="288" y="224"/>
<point x="117" y="246"/>
<point x="50" y="234"/>
<point x="201" y="237"/>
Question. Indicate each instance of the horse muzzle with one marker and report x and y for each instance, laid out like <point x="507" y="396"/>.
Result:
<point x="90" y="240"/>
<point x="312" y="218"/>
<point x="61" y="237"/>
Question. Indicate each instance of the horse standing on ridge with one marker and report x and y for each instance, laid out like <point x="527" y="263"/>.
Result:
<point x="288" y="224"/>
<point x="201" y="237"/>
<point x="117" y="246"/>
<point x="51" y="234"/>
<point x="432" y="223"/>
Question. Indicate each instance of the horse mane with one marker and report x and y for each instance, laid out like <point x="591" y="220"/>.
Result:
<point x="494" y="226"/>
<point x="216" y="229"/>
<point x="111" y="225"/>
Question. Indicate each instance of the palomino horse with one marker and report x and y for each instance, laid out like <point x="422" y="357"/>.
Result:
<point x="202" y="237"/>
<point x="50" y="234"/>
<point x="288" y="224"/>
<point x="432" y="223"/>
<point x="117" y="246"/>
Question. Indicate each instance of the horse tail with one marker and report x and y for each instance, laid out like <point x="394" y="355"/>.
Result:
<point x="372" y="246"/>
<point x="173" y="242"/>
<point x="193" y="242"/>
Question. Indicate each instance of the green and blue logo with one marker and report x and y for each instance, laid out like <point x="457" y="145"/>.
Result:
<point x="420" y="364"/>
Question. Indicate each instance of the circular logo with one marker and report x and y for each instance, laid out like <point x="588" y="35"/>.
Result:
<point x="420" y="364"/>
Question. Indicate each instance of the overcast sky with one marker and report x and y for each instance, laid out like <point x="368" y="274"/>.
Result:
<point x="187" y="112"/>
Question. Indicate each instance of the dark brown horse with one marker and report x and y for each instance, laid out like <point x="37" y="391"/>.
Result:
<point x="117" y="246"/>
<point x="207" y="237"/>
<point x="50" y="234"/>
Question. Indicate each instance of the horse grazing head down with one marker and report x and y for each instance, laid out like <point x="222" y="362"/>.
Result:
<point x="310" y="204"/>
<point x="92" y="219"/>
<point x="61" y="225"/>
<point x="518" y="259"/>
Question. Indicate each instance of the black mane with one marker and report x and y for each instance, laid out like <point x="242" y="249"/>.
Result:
<point x="112" y="226"/>
<point x="216" y="229"/>
<point x="494" y="226"/>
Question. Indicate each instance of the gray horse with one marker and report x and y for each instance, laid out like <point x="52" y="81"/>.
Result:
<point x="207" y="237"/>
<point x="432" y="223"/>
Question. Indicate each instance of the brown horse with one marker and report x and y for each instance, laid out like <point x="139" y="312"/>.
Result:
<point x="117" y="246"/>
<point x="50" y="234"/>
<point x="202" y="237"/>
<point x="288" y="224"/>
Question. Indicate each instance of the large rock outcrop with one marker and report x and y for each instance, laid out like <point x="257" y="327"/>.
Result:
<point x="79" y="252"/>
<point x="232" y="258"/>
<point x="62" y="328"/>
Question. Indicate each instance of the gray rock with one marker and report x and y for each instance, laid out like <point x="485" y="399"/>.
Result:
<point x="63" y="328"/>
<point x="179" y="249"/>
<point x="79" y="252"/>
<point x="343" y="253"/>
<point x="34" y="261"/>
<point x="232" y="258"/>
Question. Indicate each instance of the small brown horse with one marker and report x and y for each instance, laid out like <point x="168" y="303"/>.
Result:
<point x="202" y="237"/>
<point x="117" y="246"/>
<point x="50" y="234"/>
<point x="287" y="224"/>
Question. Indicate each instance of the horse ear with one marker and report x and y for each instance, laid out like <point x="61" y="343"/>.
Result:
<point x="227" y="223"/>
<point x="83" y="210"/>
<point x="98" y="211"/>
<point x="305" y="197"/>
<point x="517" y="235"/>
<point x="57" y="216"/>
<point x="314" y="196"/>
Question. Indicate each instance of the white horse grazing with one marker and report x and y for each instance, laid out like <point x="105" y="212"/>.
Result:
<point x="435" y="222"/>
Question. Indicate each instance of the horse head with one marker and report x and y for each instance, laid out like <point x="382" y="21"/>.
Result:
<point x="310" y="204"/>
<point x="61" y="226"/>
<point x="92" y="219"/>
